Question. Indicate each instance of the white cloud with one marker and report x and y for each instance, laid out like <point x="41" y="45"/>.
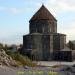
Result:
<point x="57" y="7"/>
<point x="14" y="10"/>
<point x="60" y="6"/>
<point x="69" y="30"/>
<point x="12" y="39"/>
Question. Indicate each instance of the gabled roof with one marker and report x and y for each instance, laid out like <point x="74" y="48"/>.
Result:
<point x="43" y="13"/>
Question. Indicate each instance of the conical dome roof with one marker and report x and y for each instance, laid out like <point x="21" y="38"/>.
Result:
<point x="43" y="13"/>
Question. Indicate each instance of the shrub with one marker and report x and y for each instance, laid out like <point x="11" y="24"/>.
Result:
<point x="22" y="60"/>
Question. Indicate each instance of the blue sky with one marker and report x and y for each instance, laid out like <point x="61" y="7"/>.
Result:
<point x="15" y="16"/>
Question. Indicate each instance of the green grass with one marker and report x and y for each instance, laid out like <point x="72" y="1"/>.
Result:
<point x="20" y="59"/>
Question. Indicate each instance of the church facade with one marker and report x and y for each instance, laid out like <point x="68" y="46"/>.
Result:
<point x="43" y="39"/>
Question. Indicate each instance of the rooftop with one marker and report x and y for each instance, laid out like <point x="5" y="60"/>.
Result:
<point x="43" y="13"/>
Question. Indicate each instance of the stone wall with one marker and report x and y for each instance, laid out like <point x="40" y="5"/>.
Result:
<point x="56" y="42"/>
<point x="62" y="56"/>
<point x="43" y="26"/>
<point x="59" y="41"/>
<point x="43" y="38"/>
<point x="62" y="41"/>
<point x="42" y="46"/>
<point x="46" y="46"/>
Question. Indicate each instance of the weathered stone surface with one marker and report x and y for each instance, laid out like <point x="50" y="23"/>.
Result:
<point x="5" y="59"/>
<point x="41" y="46"/>
<point x="43" y="39"/>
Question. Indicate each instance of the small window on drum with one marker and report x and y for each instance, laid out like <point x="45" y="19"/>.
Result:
<point x="29" y="46"/>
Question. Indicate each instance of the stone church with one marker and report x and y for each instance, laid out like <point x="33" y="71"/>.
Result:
<point x="43" y="39"/>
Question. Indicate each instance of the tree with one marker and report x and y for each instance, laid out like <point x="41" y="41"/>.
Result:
<point x="70" y="45"/>
<point x="1" y="46"/>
